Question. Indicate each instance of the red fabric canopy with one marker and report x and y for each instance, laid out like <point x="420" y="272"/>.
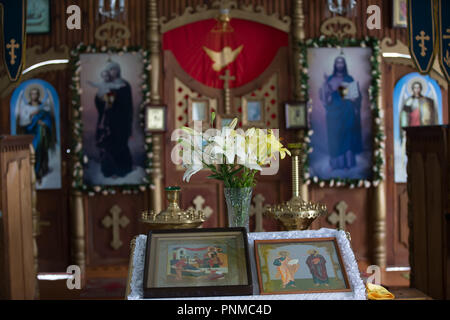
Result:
<point x="251" y="48"/>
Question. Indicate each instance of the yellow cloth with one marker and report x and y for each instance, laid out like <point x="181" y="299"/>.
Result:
<point x="375" y="292"/>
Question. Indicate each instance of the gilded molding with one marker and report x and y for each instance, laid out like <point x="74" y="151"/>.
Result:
<point x="338" y="27"/>
<point x="113" y="34"/>
<point x="245" y="12"/>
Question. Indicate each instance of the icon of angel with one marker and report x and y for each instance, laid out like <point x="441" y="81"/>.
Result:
<point x="35" y="115"/>
<point x="418" y="107"/>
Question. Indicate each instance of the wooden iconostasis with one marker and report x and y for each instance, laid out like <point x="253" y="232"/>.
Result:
<point x="54" y="241"/>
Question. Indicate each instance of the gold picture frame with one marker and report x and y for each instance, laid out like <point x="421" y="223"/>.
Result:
<point x="155" y="119"/>
<point x="300" y="266"/>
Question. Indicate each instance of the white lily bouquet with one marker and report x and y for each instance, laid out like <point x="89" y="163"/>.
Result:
<point x="234" y="157"/>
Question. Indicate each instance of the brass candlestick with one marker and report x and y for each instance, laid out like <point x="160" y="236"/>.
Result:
<point x="296" y="214"/>
<point x="173" y="217"/>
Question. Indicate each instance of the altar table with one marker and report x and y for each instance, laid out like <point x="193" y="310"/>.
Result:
<point x="137" y="257"/>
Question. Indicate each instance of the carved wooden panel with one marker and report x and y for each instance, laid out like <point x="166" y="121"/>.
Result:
<point x="102" y="248"/>
<point x="358" y="201"/>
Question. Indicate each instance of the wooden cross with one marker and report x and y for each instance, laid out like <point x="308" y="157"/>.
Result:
<point x="198" y="202"/>
<point x="115" y="222"/>
<point x="422" y="38"/>
<point x="12" y="46"/>
<point x="258" y="211"/>
<point x="342" y="218"/>
<point x="226" y="86"/>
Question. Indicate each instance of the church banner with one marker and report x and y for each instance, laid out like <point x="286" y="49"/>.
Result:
<point x="422" y="36"/>
<point x="13" y="26"/>
<point x="444" y="36"/>
<point x="238" y="52"/>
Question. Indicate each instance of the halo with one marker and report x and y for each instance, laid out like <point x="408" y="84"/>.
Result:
<point x="34" y="86"/>
<point x="421" y="80"/>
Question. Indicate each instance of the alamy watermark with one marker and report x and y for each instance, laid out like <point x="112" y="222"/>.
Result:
<point x="74" y="19"/>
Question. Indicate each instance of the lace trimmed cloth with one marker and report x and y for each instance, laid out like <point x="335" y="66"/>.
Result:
<point x="358" y="289"/>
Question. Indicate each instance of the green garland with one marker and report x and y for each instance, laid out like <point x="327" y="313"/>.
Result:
<point x="377" y="114"/>
<point x="79" y="159"/>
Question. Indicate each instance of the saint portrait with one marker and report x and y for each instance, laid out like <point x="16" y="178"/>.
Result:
<point x="341" y="114"/>
<point x="417" y="102"/>
<point x="113" y="139"/>
<point x="38" y="16"/>
<point x="300" y="266"/>
<point x="35" y="111"/>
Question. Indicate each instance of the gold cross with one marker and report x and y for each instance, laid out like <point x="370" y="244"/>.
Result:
<point x="422" y="38"/>
<point x="12" y="46"/>
<point x="115" y="222"/>
<point x="227" y="78"/>
<point x="342" y="218"/>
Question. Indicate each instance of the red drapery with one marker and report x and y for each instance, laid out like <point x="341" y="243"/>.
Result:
<point x="205" y="54"/>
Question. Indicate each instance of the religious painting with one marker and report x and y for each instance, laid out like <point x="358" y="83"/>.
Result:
<point x="342" y="88"/>
<point x="197" y="262"/>
<point x="35" y="111"/>
<point x="38" y="16"/>
<point x="112" y="148"/>
<point x="294" y="266"/>
<point x="253" y="112"/>
<point x="296" y="115"/>
<point x="400" y="13"/>
<point x="417" y="102"/>
<point x="155" y="119"/>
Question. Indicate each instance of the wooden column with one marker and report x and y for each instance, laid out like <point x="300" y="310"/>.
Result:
<point x="379" y="206"/>
<point x="153" y="45"/>
<point x="298" y="36"/>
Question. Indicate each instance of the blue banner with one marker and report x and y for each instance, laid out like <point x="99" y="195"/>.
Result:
<point x="13" y="25"/>
<point x="422" y="35"/>
<point x="444" y="36"/>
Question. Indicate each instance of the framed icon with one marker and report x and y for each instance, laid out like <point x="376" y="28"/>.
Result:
<point x="253" y="112"/>
<point x="296" y="115"/>
<point x="155" y="119"/>
<point x="400" y="13"/>
<point x="38" y="16"/>
<point x="225" y="120"/>
<point x="298" y="266"/>
<point x="196" y="263"/>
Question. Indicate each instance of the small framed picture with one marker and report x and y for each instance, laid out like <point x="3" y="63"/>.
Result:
<point x="296" y="115"/>
<point x="298" y="266"/>
<point x="225" y="120"/>
<point x="38" y="16"/>
<point x="155" y="119"/>
<point x="198" y="110"/>
<point x="197" y="262"/>
<point x="253" y="112"/>
<point x="400" y="13"/>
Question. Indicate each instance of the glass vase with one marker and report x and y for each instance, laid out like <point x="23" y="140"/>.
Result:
<point x="238" y="205"/>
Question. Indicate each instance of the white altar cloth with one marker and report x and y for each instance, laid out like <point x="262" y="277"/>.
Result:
<point x="356" y="283"/>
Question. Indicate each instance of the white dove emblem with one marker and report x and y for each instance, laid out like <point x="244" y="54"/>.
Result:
<point x="222" y="58"/>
